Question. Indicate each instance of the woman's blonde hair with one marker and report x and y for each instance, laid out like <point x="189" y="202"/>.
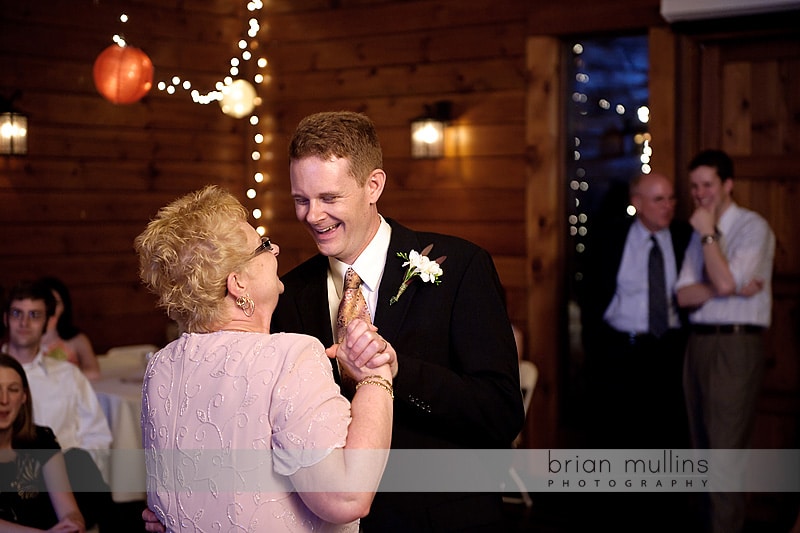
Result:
<point x="187" y="252"/>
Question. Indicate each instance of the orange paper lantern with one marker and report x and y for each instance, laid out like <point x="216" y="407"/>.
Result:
<point x="123" y="74"/>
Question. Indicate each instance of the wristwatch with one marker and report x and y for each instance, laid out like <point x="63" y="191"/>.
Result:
<point x="708" y="239"/>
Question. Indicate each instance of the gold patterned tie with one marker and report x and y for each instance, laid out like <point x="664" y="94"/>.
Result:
<point x="353" y="305"/>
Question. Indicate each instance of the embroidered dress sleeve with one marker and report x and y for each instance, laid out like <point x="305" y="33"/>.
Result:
<point x="309" y="415"/>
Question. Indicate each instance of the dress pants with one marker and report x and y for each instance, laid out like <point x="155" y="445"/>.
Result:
<point x="722" y="378"/>
<point x="635" y="391"/>
<point x="635" y="401"/>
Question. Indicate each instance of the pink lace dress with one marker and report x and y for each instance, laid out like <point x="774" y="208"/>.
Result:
<point x="226" y="417"/>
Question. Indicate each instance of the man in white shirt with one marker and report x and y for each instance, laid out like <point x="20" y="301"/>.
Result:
<point x="726" y="283"/>
<point x="63" y="399"/>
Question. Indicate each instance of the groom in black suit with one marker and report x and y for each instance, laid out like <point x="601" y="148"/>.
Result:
<point x="458" y="380"/>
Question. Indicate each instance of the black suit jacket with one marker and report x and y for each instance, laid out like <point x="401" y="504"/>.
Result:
<point x="604" y="256"/>
<point x="458" y="381"/>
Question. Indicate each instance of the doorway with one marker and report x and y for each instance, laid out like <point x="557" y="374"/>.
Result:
<point x="607" y="144"/>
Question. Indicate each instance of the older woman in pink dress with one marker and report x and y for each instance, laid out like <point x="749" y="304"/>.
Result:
<point x="245" y="430"/>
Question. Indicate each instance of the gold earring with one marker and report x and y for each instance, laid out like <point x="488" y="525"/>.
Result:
<point x="246" y="304"/>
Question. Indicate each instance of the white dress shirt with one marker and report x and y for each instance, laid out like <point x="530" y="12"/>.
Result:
<point x="369" y="267"/>
<point x="64" y="401"/>
<point x="629" y="308"/>
<point x="749" y="246"/>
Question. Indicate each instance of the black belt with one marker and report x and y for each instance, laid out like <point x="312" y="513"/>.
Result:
<point x="725" y="329"/>
<point x="634" y="338"/>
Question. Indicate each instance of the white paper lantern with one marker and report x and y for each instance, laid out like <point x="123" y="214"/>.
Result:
<point x="238" y="99"/>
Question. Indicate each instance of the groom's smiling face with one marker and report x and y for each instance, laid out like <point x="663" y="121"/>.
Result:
<point x="340" y="215"/>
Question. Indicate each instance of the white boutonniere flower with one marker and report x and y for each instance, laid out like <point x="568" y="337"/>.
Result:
<point x="419" y="264"/>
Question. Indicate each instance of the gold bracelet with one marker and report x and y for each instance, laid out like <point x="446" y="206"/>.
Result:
<point x="379" y="381"/>
<point x="378" y="378"/>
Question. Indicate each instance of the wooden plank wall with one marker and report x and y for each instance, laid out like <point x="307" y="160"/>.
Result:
<point x="96" y="172"/>
<point x="389" y="59"/>
<point x="747" y="86"/>
<point x="545" y="206"/>
<point x="550" y="22"/>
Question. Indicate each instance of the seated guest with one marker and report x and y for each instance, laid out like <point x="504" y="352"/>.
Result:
<point x="34" y="489"/>
<point x="227" y="386"/>
<point x="63" y="399"/>
<point x="62" y="339"/>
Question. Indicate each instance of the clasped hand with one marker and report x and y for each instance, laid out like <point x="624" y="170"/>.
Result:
<point x="363" y="350"/>
<point x="751" y="288"/>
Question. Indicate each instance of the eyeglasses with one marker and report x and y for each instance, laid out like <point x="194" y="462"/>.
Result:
<point x="33" y="315"/>
<point x="265" y="246"/>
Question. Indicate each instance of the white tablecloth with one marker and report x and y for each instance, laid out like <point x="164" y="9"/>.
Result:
<point x="120" y="395"/>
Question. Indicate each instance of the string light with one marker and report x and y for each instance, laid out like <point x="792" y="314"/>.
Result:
<point x="236" y="97"/>
<point x="229" y="85"/>
<point x="117" y="38"/>
<point x="246" y="48"/>
<point x="223" y="88"/>
<point x="584" y="89"/>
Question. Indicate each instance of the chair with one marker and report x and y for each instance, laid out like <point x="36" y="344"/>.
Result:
<point x="132" y="349"/>
<point x="528" y="376"/>
<point x="134" y="355"/>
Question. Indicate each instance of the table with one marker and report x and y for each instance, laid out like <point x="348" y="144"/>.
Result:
<point x="119" y="393"/>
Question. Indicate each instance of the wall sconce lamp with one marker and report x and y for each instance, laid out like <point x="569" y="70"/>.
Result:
<point x="427" y="132"/>
<point x="13" y="130"/>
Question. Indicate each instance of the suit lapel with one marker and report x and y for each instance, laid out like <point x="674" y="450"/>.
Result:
<point x="313" y="297"/>
<point x="389" y="318"/>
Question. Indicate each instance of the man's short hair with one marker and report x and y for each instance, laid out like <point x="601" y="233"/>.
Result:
<point x="715" y="159"/>
<point x="32" y="290"/>
<point x="339" y="135"/>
